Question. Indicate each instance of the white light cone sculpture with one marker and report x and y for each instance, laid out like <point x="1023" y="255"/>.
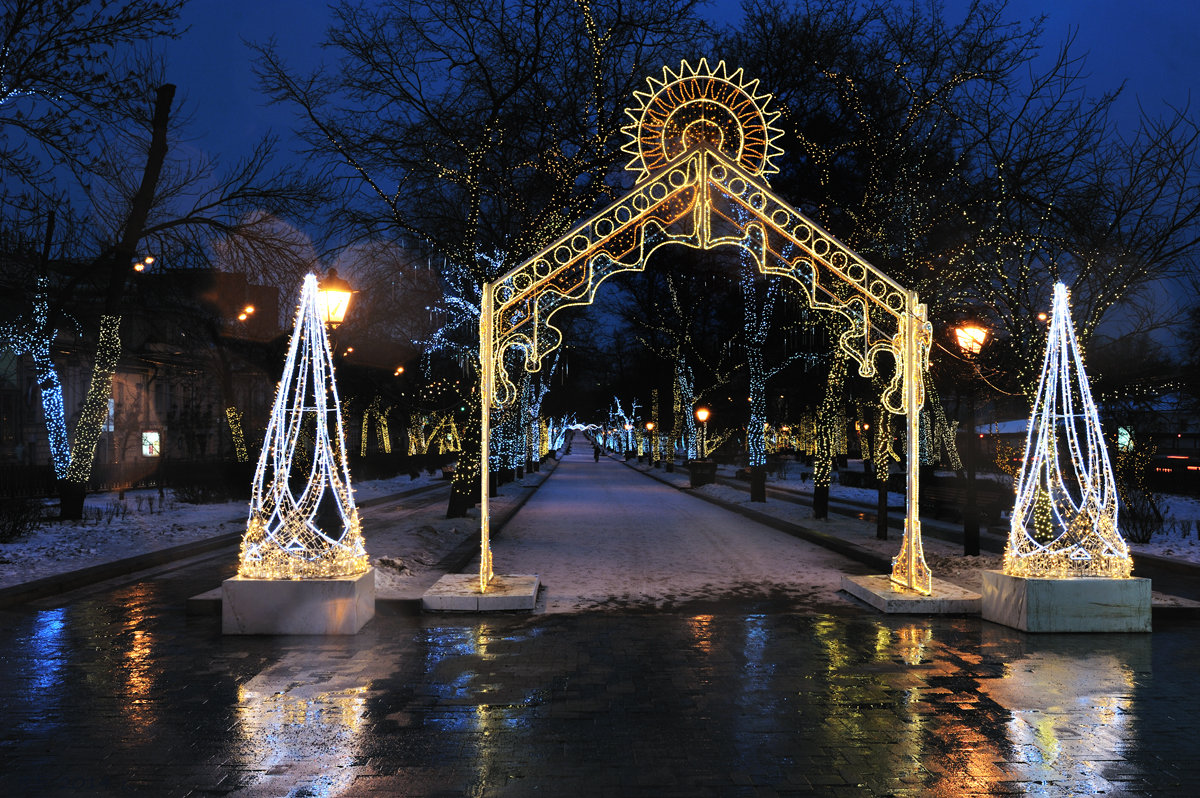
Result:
<point x="303" y="568"/>
<point x="1066" y="566"/>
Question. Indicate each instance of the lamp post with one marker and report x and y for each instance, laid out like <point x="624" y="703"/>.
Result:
<point x="970" y="339"/>
<point x="702" y="414"/>
<point x="651" y="455"/>
<point x="629" y="449"/>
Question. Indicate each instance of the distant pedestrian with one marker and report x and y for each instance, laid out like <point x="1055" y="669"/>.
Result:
<point x="596" y="452"/>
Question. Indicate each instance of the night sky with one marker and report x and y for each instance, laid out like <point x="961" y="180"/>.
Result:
<point x="1149" y="44"/>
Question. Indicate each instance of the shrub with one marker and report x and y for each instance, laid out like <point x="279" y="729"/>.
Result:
<point x="19" y="517"/>
<point x="203" y="493"/>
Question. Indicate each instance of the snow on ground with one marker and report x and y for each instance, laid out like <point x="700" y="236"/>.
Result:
<point x="114" y="528"/>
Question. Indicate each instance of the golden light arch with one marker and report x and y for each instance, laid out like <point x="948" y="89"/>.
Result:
<point x="702" y="142"/>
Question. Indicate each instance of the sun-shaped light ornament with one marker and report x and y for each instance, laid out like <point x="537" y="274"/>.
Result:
<point x="698" y="105"/>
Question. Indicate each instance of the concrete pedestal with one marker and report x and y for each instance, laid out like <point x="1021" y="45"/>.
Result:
<point x="886" y="596"/>
<point x="338" y="606"/>
<point x="460" y="593"/>
<point x="1076" y="604"/>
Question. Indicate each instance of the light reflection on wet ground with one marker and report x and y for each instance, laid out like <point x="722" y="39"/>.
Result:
<point x="121" y="692"/>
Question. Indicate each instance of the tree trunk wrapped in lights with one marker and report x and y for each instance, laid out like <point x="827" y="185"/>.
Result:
<point x="303" y="523"/>
<point x="1066" y="471"/>
<point x="828" y="421"/>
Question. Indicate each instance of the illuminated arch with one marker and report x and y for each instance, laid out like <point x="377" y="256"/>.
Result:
<point x="702" y="142"/>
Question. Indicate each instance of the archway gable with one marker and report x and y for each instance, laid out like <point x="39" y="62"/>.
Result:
<point x="703" y="200"/>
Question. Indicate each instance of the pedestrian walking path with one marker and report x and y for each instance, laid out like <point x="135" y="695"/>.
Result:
<point x="602" y="535"/>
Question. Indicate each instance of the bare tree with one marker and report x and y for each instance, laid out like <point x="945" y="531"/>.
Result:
<point x="65" y="69"/>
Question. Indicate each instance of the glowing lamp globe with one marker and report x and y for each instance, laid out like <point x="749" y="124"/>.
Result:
<point x="970" y="338"/>
<point x="333" y="299"/>
<point x="702" y="414"/>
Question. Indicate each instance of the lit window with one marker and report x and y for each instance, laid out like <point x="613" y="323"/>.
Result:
<point x="150" y="444"/>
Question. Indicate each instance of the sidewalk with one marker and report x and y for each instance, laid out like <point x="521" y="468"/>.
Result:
<point x="855" y="538"/>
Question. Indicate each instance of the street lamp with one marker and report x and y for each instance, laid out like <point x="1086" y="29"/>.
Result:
<point x="333" y="299"/>
<point x="971" y="339"/>
<point x="650" y="435"/>
<point x="702" y="414"/>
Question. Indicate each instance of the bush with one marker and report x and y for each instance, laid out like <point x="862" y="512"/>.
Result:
<point x="19" y="517"/>
<point x="203" y="493"/>
<point x="1139" y="518"/>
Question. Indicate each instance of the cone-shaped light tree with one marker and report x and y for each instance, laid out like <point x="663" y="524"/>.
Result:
<point x="303" y="523"/>
<point x="1064" y="522"/>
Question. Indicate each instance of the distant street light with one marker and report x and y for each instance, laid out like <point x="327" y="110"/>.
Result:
<point x="702" y="414"/>
<point x="650" y="435"/>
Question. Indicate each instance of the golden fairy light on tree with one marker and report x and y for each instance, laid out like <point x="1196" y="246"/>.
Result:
<point x="303" y="523"/>
<point x="1064" y="522"/>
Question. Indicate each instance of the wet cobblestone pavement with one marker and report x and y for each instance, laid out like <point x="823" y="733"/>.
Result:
<point x="119" y="692"/>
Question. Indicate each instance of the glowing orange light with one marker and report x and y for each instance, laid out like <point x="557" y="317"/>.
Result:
<point x="970" y="338"/>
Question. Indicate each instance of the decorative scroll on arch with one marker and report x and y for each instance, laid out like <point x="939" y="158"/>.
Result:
<point x="702" y="143"/>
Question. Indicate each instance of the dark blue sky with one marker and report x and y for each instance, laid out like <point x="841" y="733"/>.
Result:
<point x="1149" y="44"/>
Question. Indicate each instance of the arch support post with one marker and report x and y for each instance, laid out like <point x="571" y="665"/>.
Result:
<point x="487" y="380"/>
<point x="909" y="568"/>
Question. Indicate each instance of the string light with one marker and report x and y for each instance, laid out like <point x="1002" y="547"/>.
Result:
<point x="95" y="404"/>
<point x="34" y="339"/>
<point x="1069" y="501"/>
<point x="375" y="412"/>
<point x="289" y="532"/>
<point x="235" y="429"/>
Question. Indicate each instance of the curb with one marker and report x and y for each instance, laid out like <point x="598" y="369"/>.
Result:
<point x="72" y="580"/>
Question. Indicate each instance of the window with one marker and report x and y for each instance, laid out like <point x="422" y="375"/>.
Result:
<point x="150" y="444"/>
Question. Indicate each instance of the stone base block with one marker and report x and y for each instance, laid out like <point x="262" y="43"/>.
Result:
<point x="206" y="603"/>
<point x="460" y="593"/>
<point x="886" y="596"/>
<point x="297" y="606"/>
<point x="1076" y="604"/>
